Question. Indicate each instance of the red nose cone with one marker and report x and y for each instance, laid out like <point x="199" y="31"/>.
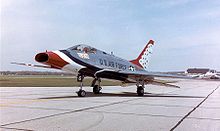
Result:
<point x="51" y="58"/>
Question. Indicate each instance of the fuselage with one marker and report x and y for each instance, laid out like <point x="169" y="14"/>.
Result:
<point x="87" y="60"/>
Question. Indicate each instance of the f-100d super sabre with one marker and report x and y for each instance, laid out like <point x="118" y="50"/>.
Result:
<point x="86" y="61"/>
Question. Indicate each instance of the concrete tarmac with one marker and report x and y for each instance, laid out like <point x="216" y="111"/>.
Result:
<point x="193" y="107"/>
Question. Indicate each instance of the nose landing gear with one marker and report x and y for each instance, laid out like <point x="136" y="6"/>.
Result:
<point x="81" y="92"/>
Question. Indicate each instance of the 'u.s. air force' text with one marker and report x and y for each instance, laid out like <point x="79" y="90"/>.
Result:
<point x="112" y="64"/>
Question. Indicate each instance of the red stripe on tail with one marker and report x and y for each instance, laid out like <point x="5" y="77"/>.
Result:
<point x="143" y="58"/>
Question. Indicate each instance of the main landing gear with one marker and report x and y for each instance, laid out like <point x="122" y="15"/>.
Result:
<point x="96" y="88"/>
<point x="140" y="88"/>
<point x="81" y="92"/>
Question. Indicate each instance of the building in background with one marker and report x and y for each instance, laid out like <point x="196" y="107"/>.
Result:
<point x="202" y="73"/>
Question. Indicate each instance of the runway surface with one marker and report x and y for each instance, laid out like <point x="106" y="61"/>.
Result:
<point x="195" y="106"/>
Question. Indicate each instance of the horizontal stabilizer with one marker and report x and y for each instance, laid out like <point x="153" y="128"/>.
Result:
<point x="153" y="82"/>
<point x="30" y="65"/>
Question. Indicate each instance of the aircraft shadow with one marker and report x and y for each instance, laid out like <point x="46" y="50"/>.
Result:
<point x="124" y="94"/>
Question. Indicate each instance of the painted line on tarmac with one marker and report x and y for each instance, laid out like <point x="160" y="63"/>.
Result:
<point x="179" y="122"/>
<point x="135" y="114"/>
<point x="40" y="108"/>
<point x="17" y="129"/>
<point x="69" y="112"/>
<point x="8" y="104"/>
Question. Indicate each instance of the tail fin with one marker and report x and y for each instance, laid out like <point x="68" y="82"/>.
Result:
<point x="143" y="59"/>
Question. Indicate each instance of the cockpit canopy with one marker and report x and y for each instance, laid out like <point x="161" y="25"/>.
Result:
<point x="84" y="48"/>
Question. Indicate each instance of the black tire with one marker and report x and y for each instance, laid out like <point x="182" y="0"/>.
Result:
<point x="96" y="89"/>
<point x="81" y="93"/>
<point x="140" y="91"/>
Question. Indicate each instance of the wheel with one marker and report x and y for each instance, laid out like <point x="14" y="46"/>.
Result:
<point x="96" y="89"/>
<point x="140" y="91"/>
<point x="81" y="93"/>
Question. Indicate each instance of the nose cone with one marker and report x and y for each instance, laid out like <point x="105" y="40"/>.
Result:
<point x="51" y="58"/>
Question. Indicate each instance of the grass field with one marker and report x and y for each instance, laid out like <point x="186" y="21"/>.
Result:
<point x="48" y="81"/>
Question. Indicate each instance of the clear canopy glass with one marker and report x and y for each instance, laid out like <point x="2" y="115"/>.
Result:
<point x="84" y="48"/>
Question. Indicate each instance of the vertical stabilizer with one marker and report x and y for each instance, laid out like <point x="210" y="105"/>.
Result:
<point x="144" y="58"/>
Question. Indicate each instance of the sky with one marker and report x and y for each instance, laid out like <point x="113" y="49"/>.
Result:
<point x="186" y="32"/>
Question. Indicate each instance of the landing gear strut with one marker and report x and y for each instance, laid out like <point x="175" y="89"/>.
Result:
<point x="81" y="92"/>
<point x="96" y="88"/>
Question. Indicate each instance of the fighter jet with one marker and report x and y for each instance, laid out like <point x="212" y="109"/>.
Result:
<point x="86" y="61"/>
